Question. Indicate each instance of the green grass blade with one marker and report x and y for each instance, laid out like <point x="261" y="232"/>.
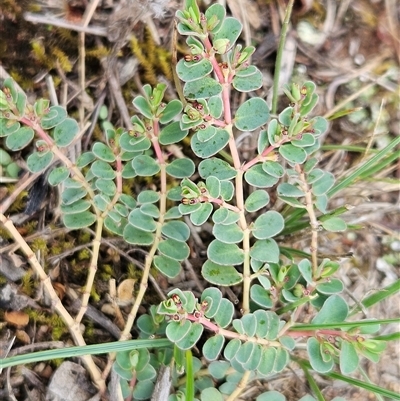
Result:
<point x="366" y="167"/>
<point x="311" y="381"/>
<point x="94" y="349"/>
<point x="359" y="323"/>
<point x="189" y="376"/>
<point x="378" y="296"/>
<point x="354" y="382"/>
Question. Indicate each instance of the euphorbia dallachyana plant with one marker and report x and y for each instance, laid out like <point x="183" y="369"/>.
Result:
<point x="248" y="251"/>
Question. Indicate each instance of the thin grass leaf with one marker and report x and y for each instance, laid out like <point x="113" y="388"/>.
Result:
<point x="377" y="390"/>
<point x="379" y="296"/>
<point x="189" y="376"/>
<point x="362" y="170"/>
<point x="94" y="349"/>
<point x="357" y="323"/>
<point x="311" y="381"/>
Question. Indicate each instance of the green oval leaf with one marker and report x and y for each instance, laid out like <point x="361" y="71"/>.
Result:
<point x="103" y="152"/>
<point x="265" y="251"/>
<point x="211" y="393"/>
<point x="55" y="115"/>
<point x="201" y="214"/>
<point x="289" y="190"/>
<point x="58" y="175"/>
<point x="176" y="229"/>
<point x="7" y="127"/>
<point x="334" y="224"/>
<point x="273" y="168"/>
<point x="181" y="168"/>
<point x="213" y="347"/>
<point x="20" y="138"/>
<point x="317" y="360"/>
<point x="65" y="132"/>
<point x="225" y="254"/>
<point x="135" y="236"/>
<point x="145" y="166"/>
<point x="102" y="170"/>
<point x="217" y="168"/>
<point x="251" y="114"/>
<point x="224" y="315"/>
<point x="173" y="249"/>
<point x="267" y="361"/>
<point x="131" y="143"/>
<point x="190" y="71"/>
<point x="334" y="310"/>
<point x="348" y="358"/>
<point x="191" y="338"/>
<point x="143" y="106"/>
<point x="76" y="207"/>
<point x="172" y="133"/>
<point x="175" y="331"/>
<point x="248" y="83"/>
<point x="142" y="221"/>
<point x="79" y="220"/>
<point x="115" y="227"/>
<point x="212" y="296"/>
<point x="228" y="233"/>
<point x="106" y="186"/>
<point x="232" y="348"/>
<point x="167" y="266"/>
<point x="84" y="159"/>
<point x="230" y="29"/>
<point x="292" y="153"/>
<point x="268" y="225"/>
<point x="173" y="108"/>
<point x="256" y="200"/>
<point x="220" y="275"/>
<point x="211" y="147"/>
<point x="71" y="195"/>
<point x="331" y="286"/>
<point x="202" y="88"/>
<point x="324" y="184"/>
<point x="38" y="161"/>
<point x="261" y="296"/>
<point x="148" y="196"/>
<point x="257" y="177"/>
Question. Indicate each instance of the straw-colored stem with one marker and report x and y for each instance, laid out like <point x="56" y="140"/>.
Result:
<point x="73" y="327"/>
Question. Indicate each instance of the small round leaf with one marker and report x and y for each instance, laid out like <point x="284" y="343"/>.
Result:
<point x="181" y="168"/>
<point x="256" y="200"/>
<point x="38" y="161"/>
<point x="103" y="152"/>
<point x="176" y="229"/>
<point x="172" y="133"/>
<point x="173" y="249"/>
<point x="145" y="166"/>
<point x="220" y="275"/>
<point x="251" y="114"/>
<point x="257" y="177"/>
<point x="225" y="254"/>
<point x="58" y="175"/>
<point x="167" y="266"/>
<point x="56" y="115"/>
<point x="268" y="225"/>
<point x="65" y="132"/>
<point x="217" y="168"/>
<point x="213" y="347"/>
<point x="135" y="236"/>
<point x="211" y="147"/>
<point x="293" y="154"/>
<point x="79" y="220"/>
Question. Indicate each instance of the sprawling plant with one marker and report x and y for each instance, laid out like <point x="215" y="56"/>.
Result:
<point x="277" y="283"/>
